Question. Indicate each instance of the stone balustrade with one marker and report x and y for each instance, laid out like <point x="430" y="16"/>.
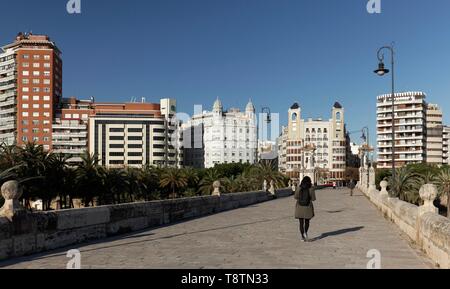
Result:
<point x="23" y="233"/>
<point x="424" y="226"/>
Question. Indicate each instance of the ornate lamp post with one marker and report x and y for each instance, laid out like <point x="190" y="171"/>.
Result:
<point x="381" y="71"/>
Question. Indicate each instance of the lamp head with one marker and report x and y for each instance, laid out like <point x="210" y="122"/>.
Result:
<point x="381" y="69"/>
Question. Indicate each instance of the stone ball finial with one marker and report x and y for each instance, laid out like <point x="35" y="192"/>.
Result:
<point x="428" y="193"/>
<point x="384" y="184"/>
<point x="216" y="186"/>
<point x="11" y="190"/>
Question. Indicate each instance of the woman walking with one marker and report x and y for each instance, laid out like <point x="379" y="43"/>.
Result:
<point x="304" y="208"/>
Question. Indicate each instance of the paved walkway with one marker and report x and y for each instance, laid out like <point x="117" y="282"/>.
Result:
<point x="259" y="236"/>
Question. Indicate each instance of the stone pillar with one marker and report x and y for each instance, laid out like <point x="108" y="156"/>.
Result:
<point x="272" y="187"/>
<point x="372" y="176"/>
<point x="265" y="186"/>
<point x="11" y="192"/>
<point x="384" y="185"/>
<point x="428" y="194"/>
<point x="216" y="186"/>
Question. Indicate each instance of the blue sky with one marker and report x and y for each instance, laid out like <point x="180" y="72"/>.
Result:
<point x="277" y="52"/>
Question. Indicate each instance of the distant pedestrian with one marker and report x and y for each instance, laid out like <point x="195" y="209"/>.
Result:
<point x="304" y="208"/>
<point x="334" y="185"/>
<point x="352" y="186"/>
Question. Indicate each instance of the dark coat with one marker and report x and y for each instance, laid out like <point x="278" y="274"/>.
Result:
<point x="305" y="212"/>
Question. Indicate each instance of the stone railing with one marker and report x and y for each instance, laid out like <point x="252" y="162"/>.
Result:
<point x="23" y="233"/>
<point x="424" y="226"/>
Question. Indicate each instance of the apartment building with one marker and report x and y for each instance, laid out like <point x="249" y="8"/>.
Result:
<point x="418" y="130"/>
<point x="434" y="135"/>
<point x="445" y="145"/>
<point x="218" y="137"/>
<point x="314" y="147"/>
<point x="30" y="89"/>
<point x="134" y="134"/>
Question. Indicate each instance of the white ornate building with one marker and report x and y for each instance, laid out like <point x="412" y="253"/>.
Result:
<point x="220" y="137"/>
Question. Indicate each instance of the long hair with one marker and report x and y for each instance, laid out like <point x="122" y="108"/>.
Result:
<point x="306" y="183"/>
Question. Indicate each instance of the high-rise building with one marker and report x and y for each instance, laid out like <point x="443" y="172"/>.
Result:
<point x="314" y="147"/>
<point x="445" y="145"/>
<point x="220" y="137"/>
<point x="434" y="135"/>
<point x="30" y="89"/>
<point x="418" y="130"/>
<point x="134" y="134"/>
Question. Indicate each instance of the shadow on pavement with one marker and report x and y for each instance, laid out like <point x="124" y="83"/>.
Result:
<point x="336" y="233"/>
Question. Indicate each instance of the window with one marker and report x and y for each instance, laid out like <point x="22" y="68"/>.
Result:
<point x="46" y="105"/>
<point x="25" y="64"/>
<point x="36" y="81"/>
<point x="46" y="122"/>
<point x="47" y="65"/>
<point x="116" y="138"/>
<point x="36" y="56"/>
<point x="24" y="130"/>
<point x="135" y="154"/>
<point x="35" y="114"/>
<point x="134" y="146"/>
<point x="36" y="65"/>
<point x="134" y="162"/>
<point x="25" y="73"/>
<point x="46" y="130"/>
<point x="116" y="146"/>
<point x="46" y="73"/>
<point x="35" y="130"/>
<point x="116" y="162"/>
<point x="25" y="97"/>
<point x="116" y="154"/>
<point x="116" y="129"/>
<point x="76" y="115"/>
<point x="25" y="105"/>
<point x="47" y="57"/>
<point x="36" y="89"/>
<point x="46" y="98"/>
<point x="24" y="139"/>
<point x="25" y="81"/>
<point x="134" y="138"/>
<point x="67" y="115"/>
<point x="47" y="81"/>
<point x="84" y="116"/>
<point x="135" y="130"/>
<point x="35" y="122"/>
<point x="36" y="97"/>
<point x="46" y="114"/>
<point x="24" y="122"/>
<point x="46" y="138"/>
<point x="46" y="147"/>
<point x="25" y="114"/>
<point x="25" y="89"/>
<point x="35" y="138"/>
<point x="26" y="56"/>
<point x="36" y="73"/>
<point x="35" y="105"/>
<point x="46" y="89"/>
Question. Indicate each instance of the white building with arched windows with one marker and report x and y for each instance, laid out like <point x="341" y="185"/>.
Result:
<point x="220" y="137"/>
<point x="314" y="147"/>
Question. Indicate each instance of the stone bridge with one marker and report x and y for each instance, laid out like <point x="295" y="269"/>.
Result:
<point x="260" y="235"/>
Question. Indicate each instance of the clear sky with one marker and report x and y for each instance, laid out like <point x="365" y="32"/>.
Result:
<point x="277" y="52"/>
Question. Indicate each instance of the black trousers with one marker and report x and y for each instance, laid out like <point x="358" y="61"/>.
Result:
<point x="304" y="226"/>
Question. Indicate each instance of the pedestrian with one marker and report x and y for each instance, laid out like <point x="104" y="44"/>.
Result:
<point x="352" y="186"/>
<point x="334" y="185"/>
<point x="304" y="208"/>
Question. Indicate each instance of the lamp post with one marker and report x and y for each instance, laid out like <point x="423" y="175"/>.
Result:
<point x="381" y="71"/>
<point x="366" y="137"/>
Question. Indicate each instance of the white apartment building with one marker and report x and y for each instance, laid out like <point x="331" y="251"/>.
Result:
<point x="135" y="135"/>
<point x="445" y="145"/>
<point x="220" y="137"/>
<point x="418" y="130"/>
<point x="314" y="147"/>
<point x="8" y="96"/>
<point x="434" y="136"/>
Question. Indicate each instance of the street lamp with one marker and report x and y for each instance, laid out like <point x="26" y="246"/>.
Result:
<point x="381" y="71"/>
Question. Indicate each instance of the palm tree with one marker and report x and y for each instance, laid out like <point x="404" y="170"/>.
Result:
<point x="174" y="179"/>
<point x="56" y="178"/>
<point x="206" y="184"/>
<point x="149" y="180"/>
<point x="267" y="171"/>
<point x="406" y="185"/>
<point x="115" y="183"/>
<point x="90" y="177"/>
<point x="444" y="186"/>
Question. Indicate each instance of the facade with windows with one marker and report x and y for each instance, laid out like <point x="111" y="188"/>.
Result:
<point x="220" y="137"/>
<point x="134" y="134"/>
<point x="314" y="147"/>
<point x="30" y="88"/>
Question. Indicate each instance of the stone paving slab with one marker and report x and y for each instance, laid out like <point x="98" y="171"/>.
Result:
<point x="259" y="236"/>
